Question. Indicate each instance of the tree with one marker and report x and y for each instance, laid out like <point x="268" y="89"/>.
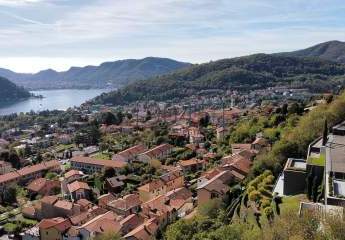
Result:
<point x="108" y="118"/>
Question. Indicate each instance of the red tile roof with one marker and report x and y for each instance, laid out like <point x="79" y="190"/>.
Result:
<point x="152" y="186"/>
<point x="190" y="162"/>
<point x="127" y="202"/>
<point x="60" y="224"/>
<point x="102" y="163"/>
<point x="73" y="173"/>
<point x="76" y="185"/>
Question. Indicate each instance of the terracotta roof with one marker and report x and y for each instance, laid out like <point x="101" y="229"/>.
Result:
<point x="29" y="211"/>
<point x="64" y="204"/>
<point x="145" y="231"/>
<point x="156" y="151"/>
<point x="103" y="223"/>
<point x="190" y="162"/>
<point x="236" y="147"/>
<point x="60" y="224"/>
<point x="179" y="193"/>
<point x="84" y="202"/>
<point x="49" y="199"/>
<point x="9" y="177"/>
<point x="76" y="185"/>
<point x="131" y="152"/>
<point x="127" y="202"/>
<point x="115" y="182"/>
<point x="73" y="173"/>
<point x="260" y="141"/>
<point x="37" y="184"/>
<point x="132" y="221"/>
<point x="98" y="162"/>
<point x="215" y="184"/>
<point x="39" y="167"/>
<point x="151" y="186"/>
<point x="170" y="176"/>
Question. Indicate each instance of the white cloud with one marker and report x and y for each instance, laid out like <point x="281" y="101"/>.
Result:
<point x="190" y="30"/>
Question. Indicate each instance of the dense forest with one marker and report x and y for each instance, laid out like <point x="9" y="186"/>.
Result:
<point x="9" y="91"/>
<point x="116" y="73"/>
<point x="244" y="73"/>
<point x="332" y="50"/>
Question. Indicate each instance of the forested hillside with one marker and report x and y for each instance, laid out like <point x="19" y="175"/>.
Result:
<point x="244" y="73"/>
<point x="332" y="50"/>
<point x="9" y="91"/>
<point x="114" y="74"/>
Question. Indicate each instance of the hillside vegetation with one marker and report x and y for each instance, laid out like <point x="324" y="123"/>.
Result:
<point x="117" y="73"/>
<point x="332" y="50"/>
<point x="10" y="92"/>
<point x="244" y="73"/>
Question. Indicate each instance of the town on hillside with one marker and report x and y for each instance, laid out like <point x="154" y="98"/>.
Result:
<point x="136" y="170"/>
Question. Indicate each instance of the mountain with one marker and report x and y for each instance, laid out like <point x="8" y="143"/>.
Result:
<point x="332" y="50"/>
<point x="10" y="92"/>
<point x="257" y="71"/>
<point x="115" y="74"/>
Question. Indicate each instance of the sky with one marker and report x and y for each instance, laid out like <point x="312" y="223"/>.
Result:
<point x="58" y="34"/>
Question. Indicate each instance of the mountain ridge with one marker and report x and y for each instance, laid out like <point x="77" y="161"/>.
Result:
<point x="257" y="71"/>
<point x="331" y="50"/>
<point x="114" y="74"/>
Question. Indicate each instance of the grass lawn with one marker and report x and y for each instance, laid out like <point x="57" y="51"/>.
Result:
<point x="101" y="156"/>
<point x="291" y="203"/>
<point x="320" y="161"/>
<point x="63" y="147"/>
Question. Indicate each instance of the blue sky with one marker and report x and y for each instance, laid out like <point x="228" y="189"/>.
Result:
<point x="40" y="34"/>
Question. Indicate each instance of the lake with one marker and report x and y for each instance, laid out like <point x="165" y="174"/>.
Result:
<point x="52" y="99"/>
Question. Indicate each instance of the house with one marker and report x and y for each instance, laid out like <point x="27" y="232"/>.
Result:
<point x="9" y="179"/>
<point x="36" y="171"/>
<point x="5" y="167"/>
<point x="172" y="180"/>
<point x="129" y="204"/>
<point x="107" y="222"/>
<point x="73" y="175"/>
<point x="104" y="199"/>
<point x="294" y="176"/>
<point x="181" y="200"/>
<point x="115" y="184"/>
<point x="91" y="165"/>
<point x="160" y="152"/>
<point x="237" y="162"/>
<point x="215" y="188"/>
<point x="87" y="215"/>
<point x="54" y="228"/>
<point x="43" y="187"/>
<point x="29" y="173"/>
<point x="131" y="222"/>
<point x="159" y="209"/>
<point x="238" y="147"/>
<point x="130" y="154"/>
<point x="259" y="144"/>
<point x="145" y="231"/>
<point x="84" y="204"/>
<point x="195" y="136"/>
<point x="220" y="133"/>
<point x="78" y="190"/>
<point x="191" y="165"/>
<point x="151" y="190"/>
